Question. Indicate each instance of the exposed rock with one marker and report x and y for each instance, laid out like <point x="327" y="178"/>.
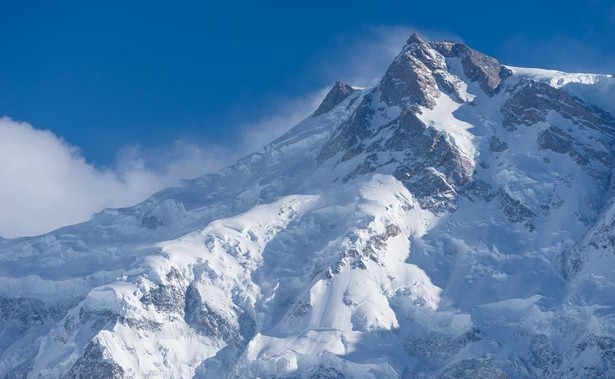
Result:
<point x="515" y="210"/>
<point x="477" y="367"/>
<point x="531" y="102"/>
<point x="599" y="241"/>
<point x="94" y="365"/>
<point x="150" y="221"/>
<point x="557" y="140"/>
<point x="602" y="349"/>
<point x="29" y="312"/>
<point x="409" y="79"/>
<point x="477" y="67"/>
<point x="373" y="249"/>
<point x="167" y="298"/>
<point x="432" y="167"/>
<point x="352" y="132"/>
<point x="545" y="358"/>
<point x="204" y="318"/>
<point x="496" y="145"/>
<point x="338" y="93"/>
<point x="435" y="349"/>
<point x="323" y="372"/>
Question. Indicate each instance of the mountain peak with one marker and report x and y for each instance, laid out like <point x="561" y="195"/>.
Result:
<point x="415" y="38"/>
<point x="338" y="93"/>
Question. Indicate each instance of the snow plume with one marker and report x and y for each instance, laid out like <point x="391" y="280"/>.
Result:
<point x="362" y="60"/>
<point x="560" y="52"/>
<point x="284" y="114"/>
<point x="47" y="183"/>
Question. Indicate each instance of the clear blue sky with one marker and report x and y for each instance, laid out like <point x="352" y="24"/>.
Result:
<point x="106" y="74"/>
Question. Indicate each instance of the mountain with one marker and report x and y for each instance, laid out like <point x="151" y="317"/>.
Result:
<point x="455" y="220"/>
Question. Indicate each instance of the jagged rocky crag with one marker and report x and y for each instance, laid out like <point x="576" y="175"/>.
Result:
<point x="454" y="220"/>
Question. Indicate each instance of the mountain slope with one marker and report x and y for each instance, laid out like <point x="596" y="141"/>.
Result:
<point x="454" y="220"/>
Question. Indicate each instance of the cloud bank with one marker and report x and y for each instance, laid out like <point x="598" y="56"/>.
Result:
<point x="47" y="183"/>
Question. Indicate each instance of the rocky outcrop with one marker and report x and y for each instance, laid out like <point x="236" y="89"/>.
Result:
<point x="236" y="331"/>
<point x="409" y="79"/>
<point x="496" y="145"/>
<point x="94" y="364"/>
<point x="530" y="103"/>
<point x="597" y="163"/>
<point x="338" y="93"/>
<point x="352" y="132"/>
<point x="515" y="210"/>
<point x="167" y="298"/>
<point x="477" y="67"/>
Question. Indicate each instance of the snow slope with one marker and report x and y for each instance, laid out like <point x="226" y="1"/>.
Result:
<point x="454" y="220"/>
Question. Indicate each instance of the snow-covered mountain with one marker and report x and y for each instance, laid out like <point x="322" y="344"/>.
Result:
<point x="456" y="220"/>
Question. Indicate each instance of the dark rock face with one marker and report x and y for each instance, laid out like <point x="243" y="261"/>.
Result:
<point x="531" y="102"/>
<point x="435" y="349"/>
<point x="432" y="166"/>
<point x="477" y="367"/>
<point x="373" y="250"/>
<point x="545" y="359"/>
<point x="515" y="210"/>
<point x="496" y="145"/>
<point x="584" y="155"/>
<point x="205" y="319"/>
<point x="601" y="240"/>
<point x="168" y="298"/>
<point x="93" y="365"/>
<point x="29" y="313"/>
<point x="338" y="93"/>
<point x="410" y="77"/>
<point x="602" y="348"/>
<point x="323" y="372"/>
<point x="477" y="67"/>
<point x="150" y="222"/>
<point x="434" y="170"/>
<point x="352" y="133"/>
<point x="418" y="74"/>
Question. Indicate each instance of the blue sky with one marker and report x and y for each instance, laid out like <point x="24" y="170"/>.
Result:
<point x="106" y="74"/>
<point x="166" y="90"/>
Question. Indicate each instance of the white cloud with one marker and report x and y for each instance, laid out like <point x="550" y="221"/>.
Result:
<point x="47" y="183"/>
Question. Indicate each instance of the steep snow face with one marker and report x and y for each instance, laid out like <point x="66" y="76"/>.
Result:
<point x="454" y="220"/>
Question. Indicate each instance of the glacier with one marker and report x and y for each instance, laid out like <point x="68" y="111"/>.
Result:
<point x="454" y="220"/>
